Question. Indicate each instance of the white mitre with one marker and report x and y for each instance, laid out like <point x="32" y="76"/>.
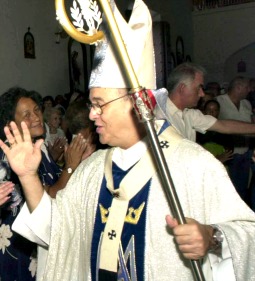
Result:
<point x="137" y="36"/>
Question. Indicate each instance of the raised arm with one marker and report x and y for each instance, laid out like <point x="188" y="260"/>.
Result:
<point x="24" y="158"/>
<point x="233" y="127"/>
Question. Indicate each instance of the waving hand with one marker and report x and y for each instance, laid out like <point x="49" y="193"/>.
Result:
<point x="23" y="156"/>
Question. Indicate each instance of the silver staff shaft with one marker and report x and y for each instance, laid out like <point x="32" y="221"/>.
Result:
<point x="166" y="179"/>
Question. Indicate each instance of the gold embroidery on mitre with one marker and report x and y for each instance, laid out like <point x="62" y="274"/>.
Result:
<point x="132" y="217"/>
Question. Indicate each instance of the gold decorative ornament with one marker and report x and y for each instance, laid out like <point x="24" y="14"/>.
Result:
<point x="132" y="216"/>
<point x="87" y="11"/>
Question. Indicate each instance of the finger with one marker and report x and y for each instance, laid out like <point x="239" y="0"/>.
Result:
<point x="6" y="187"/>
<point x="4" y="200"/>
<point x="60" y="147"/>
<point x="4" y="147"/>
<point x="6" y="184"/>
<point x="171" y="221"/>
<point x="63" y="140"/>
<point x="78" y="141"/>
<point x="56" y="141"/>
<point x="8" y="133"/>
<point x="15" y="136"/>
<point x="66" y="147"/>
<point x="83" y="146"/>
<point x="5" y="190"/>
<point x="38" y="144"/>
<point x="26" y="133"/>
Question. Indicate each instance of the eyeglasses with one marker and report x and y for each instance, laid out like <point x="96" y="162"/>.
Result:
<point x="99" y="108"/>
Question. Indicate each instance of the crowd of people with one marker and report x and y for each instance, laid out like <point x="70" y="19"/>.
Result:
<point x="59" y="159"/>
<point x="76" y="209"/>
<point x="230" y="125"/>
<point x="236" y="149"/>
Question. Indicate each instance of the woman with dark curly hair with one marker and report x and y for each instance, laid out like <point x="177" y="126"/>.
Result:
<point x="18" y="255"/>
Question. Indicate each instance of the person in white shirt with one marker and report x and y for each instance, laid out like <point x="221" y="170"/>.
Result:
<point x="235" y="106"/>
<point x="186" y="87"/>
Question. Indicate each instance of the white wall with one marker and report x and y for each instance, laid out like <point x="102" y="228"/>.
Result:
<point x="178" y="14"/>
<point x="220" y="39"/>
<point x="217" y="39"/>
<point x="48" y="72"/>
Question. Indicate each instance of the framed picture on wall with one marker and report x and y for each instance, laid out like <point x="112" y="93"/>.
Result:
<point x="29" y="45"/>
<point x="80" y="57"/>
<point x="179" y="50"/>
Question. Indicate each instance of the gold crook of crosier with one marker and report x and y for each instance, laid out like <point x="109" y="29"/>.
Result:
<point x="71" y="30"/>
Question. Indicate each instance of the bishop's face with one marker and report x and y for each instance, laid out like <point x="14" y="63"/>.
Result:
<point x="116" y="125"/>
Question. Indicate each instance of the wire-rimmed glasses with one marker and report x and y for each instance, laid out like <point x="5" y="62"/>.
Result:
<point x="98" y="108"/>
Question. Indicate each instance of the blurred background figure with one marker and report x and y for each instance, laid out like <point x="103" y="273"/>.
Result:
<point x="216" y="143"/>
<point x="235" y="106"/>
<point x="48" y="102"/>
<point x="208" y="95"/>
<point x="78" y="122"/>
<point x="213" y="87"/>
<point x="53" y="119"/>
<point x="251" y="97"/>
<point x="61" y="103"/>
<point x="55" y="137"/>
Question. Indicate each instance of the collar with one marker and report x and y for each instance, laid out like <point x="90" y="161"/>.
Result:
<point x="126" y="158"/>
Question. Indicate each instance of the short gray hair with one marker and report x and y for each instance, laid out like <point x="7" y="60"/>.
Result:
<point x="184" y="72"/>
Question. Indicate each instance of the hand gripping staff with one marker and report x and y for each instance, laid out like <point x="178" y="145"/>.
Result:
<point x="141" y="100"/>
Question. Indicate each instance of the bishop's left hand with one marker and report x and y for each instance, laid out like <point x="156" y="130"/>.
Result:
<point x="24" y="156"/>
<point x="193" y="239"/>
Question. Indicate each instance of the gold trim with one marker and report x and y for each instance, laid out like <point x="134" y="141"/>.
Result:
<point x="132" y="217"/>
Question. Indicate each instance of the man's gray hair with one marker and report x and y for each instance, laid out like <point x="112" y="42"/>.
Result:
<point x="184" y="72"/>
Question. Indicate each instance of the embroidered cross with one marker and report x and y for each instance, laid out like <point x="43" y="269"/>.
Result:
<point x="164" y="144"/>
<point x="112" y="234"/>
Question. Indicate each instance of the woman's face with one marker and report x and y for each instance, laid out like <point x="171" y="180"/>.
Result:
<point x="29" y="112"/>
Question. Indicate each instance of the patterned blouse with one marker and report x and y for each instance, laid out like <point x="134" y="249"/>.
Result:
<point x="18" y="255"/>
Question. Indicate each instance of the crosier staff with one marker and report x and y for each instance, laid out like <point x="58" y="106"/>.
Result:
<point x="141" y="102"/>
